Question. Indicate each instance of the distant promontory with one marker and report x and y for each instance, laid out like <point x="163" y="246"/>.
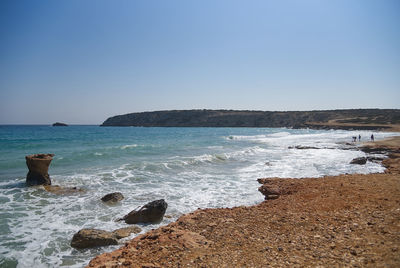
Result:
<point x="324" y="119"/>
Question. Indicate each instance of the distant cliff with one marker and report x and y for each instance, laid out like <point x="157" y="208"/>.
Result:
<point x="343" y="119"/>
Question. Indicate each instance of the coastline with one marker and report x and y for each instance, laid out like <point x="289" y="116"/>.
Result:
<point x="335" y="220"/>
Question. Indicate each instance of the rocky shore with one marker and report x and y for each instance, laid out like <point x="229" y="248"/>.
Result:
<point x="346" y="220"/>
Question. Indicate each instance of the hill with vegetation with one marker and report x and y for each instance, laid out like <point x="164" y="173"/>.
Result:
<point x="325" y="119"/>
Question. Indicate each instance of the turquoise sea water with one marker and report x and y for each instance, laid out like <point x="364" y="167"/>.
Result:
<point x="189" y="167"/>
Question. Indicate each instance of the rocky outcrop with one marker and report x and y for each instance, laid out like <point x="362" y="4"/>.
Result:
<point x="269" y="189"/>
<point x="112" y="198"/>
<point x="38" y="165"/>
<point x="88" y="238"/>
<point x="152" y="212"/>
<point x="273" y="188"/>
<point x="58" y="124"/>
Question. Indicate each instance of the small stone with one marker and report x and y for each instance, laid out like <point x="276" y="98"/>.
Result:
<point x="112" y="197"/>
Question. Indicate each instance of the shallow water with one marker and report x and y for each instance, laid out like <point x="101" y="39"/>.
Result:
<point x="189" y="167"/>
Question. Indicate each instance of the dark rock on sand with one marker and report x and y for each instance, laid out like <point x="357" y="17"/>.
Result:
<point x="125" y="232"/>
<point x="112" y="197"/>
<point x="38" y="165"/>
<point x="152" y="212"/>
<point x="58" y="124"/>
<point x="359" y="161"/>
<point x="87" y="238"/>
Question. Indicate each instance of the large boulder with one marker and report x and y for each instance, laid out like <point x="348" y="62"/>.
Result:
<point x="152" y="212"/>
<point x="88" y="238"/>
<point x="38" y="165"/>
<point x="112" y="198"/>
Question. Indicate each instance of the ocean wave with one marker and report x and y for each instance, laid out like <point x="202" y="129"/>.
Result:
<point x="279" y="134"/>
<point x="128" y="146"/>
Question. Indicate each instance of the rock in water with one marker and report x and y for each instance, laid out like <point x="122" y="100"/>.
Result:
<point x="58" y="124"/>
<point x="57" y="189"/>
<point x="359" y="161"/>
<point x="38" y="165"/>
<point x="88" y="238"/>
<point x="112" y="198"/>
<point x="152" y="212"/>
<point x="126" y="231"/>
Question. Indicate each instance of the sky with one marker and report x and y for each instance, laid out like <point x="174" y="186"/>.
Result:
<point x="82" y="61"/>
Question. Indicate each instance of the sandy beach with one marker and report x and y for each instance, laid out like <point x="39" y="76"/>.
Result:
<point x="346" y="220"/>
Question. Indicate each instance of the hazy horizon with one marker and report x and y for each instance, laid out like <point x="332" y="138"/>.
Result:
<point x="80" y="62"/>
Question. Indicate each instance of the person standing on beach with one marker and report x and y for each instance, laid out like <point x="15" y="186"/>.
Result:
<point x="372" y="137"/>
<point x="359" y="137"/>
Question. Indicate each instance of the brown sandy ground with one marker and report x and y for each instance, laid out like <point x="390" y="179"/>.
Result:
<point x="335" y="221"/>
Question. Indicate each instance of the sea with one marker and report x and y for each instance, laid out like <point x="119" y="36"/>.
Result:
<point x="189" y="168"/>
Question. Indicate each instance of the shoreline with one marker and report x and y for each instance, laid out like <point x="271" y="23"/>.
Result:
<point x="334" y="220"/>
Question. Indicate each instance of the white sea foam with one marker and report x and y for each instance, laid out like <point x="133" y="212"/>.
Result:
<point x="128" y="146"/>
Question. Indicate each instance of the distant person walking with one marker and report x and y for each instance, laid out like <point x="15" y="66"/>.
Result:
<point x="359" y="137"/>
<point x="372" y="137"/>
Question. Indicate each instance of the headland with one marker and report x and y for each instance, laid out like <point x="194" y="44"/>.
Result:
<point x="350" y="119"/>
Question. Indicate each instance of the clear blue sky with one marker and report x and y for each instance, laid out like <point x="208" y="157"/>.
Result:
<point x="79" y="61"/>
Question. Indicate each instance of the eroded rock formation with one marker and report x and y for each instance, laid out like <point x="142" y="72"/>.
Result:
<point x="38" y="165"/>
